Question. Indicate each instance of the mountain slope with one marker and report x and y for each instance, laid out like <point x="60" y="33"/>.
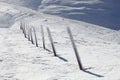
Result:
<point x="20" y="60"/>
<point x="9" y="14"/>
<point x="23" y="61"/>
<point x="100" y="12"/>
<point x="26" y="3"/>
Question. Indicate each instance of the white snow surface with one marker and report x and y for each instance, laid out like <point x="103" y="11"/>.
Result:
<point x="98" y="48"/>
<point x="10" y="13"/>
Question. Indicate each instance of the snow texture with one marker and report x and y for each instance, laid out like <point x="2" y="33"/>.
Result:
<point x="98" y="47"/>
<point x="100" y="12"/>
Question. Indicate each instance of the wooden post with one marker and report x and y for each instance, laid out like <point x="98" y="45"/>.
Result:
<point x="36" y="42"/>
<point x="25" y="31"/>
<point x="23" y="28"/>
<point x="31" y="36"/>
<point x="43" y="38"/>
<point x="51" y="40"/>
<point x="20" y="25"/>
<point x="75" y="48"/>
<point x="28" y="34"/>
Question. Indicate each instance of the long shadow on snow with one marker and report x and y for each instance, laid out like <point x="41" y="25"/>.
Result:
<point x="57" y="55"/>
<point x="48" y="50"/>
<point x="94" y="74"/>
<point x="62" y="58"/>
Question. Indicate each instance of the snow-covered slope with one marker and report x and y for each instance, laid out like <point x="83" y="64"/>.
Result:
<point x="10" y="13"/>
<point x="100" y="12"/>
<point x="100" y="56"/>
<point x="20" y="60"/>
<point x="27" y="3"/>
<point x="66" y="7"/>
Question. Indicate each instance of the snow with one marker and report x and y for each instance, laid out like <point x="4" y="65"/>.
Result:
<point x="97" y="12"/>
<point x="100" y="12"/>
<point x="23" y="61"/>
<point x="26" y="3"/>
<point x="10" y="13"/>
<point x="98" y="48"/>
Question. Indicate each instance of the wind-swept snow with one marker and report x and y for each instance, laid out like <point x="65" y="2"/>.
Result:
<point x="100" y="12"/>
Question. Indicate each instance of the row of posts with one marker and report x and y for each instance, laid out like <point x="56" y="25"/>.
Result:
<point x="30" y="34"/>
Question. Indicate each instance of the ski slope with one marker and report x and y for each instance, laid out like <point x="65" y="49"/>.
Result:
<point x="98" y="48"/>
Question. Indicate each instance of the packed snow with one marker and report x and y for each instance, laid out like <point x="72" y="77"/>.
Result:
<point x="98" y="47"/>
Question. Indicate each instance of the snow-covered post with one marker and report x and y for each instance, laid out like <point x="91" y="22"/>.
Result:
<point x="24" y="31"/>
<point x="29" y="33"/>
<point x="21" y="25"/>
<point x="36" y="42"/>
<point x="31" y="36"/>
<point x="43" y="38"/>
<point x="51" y="40"/>
<point x="75" y="48"/>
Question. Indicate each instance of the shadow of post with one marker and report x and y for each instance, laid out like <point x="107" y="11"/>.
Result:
<point x="62" y="58"/>
<point x="94" y="74"/>
<point x="48" y="50"/>
<point x="57" y="55"/>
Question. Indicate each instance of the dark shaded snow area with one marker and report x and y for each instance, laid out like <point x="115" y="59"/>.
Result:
<point x="101" y="12"/>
